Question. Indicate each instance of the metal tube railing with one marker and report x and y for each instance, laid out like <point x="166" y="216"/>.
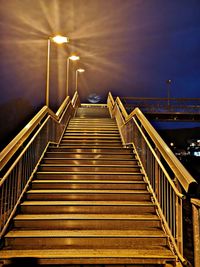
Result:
<point x="29" y="146"/>
<point x="163" y="172"/>
<point x="196" y="230"/>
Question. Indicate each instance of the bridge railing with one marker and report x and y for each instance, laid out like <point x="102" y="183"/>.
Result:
<point x="167" y="178"/>
<point x="167" y="105"/>
<point x="21" y="156"/>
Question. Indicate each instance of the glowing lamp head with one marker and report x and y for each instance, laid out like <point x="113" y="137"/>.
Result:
<point x="60" y="39"/>
<point x="80" y="70"/>
<point x="74" y="58"/>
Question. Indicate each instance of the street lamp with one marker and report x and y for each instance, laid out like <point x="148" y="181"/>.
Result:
<point x="59" y="40"/>
<point x="73" y="58"/>
<point x="78" y="71"/>
<point x="168" y="82"/>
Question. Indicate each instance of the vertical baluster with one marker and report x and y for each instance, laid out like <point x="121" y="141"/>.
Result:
<point x="174" y="214"/>
<point x="171" y="204"/>
<point x="12" y="202"/>
<point x="179" y="224"/>
<point x="9" y="192"/>
<point x="6" y="195"/>
<point x="157" y="178"/>
<point x="196" y="230"/>
<point x="167" y="202"/>
<point x="1" y="205"/>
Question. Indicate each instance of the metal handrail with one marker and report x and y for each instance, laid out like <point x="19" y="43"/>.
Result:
<point x="196" y="230"/>
<point x="28" y="148"/>
<point x="13" y="146"/>
<point x="167" y="179"/>
<point x="183" y="176"/>
<point x="63" y="106"/>
<point x="7" y="153"/>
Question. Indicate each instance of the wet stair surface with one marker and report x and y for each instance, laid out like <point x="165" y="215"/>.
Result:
<point x="88" y="203"/>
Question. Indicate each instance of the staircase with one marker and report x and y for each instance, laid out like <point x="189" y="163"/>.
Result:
<point x="88" y="203"/>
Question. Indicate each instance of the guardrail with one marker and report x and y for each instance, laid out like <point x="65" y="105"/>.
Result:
<point x="166" y="176"/>
<point x="20" y="158"/>
<point x="167" y="105"/>
<point x="196" y="230"/>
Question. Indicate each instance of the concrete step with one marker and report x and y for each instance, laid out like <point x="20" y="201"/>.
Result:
<point x="86" y="221"/>
<point x="89" y="167"/>
<point x="93" y="145"/>
<point x="90" y="161"/>
<point x="88" y="184"/>
<point x="85" y="126"/>
<point x="34" y="239"/>
<point x="102" y="150"/>
<point x="158" y="255"/>
<point x="87" y="207"/>
<point x="91" y="131"/>
<point x="91" y="134"/>
<point x="72" y="194"/>
<point x="115" y="176"/>
<point x="86" y="155"/>
<point x="90" y="143"/>
<point x="85" y="137"/>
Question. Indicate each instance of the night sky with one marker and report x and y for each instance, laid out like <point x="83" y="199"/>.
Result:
<point x="129" y="47"/>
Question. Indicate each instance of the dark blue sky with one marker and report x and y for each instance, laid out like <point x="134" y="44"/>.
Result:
<point x="129" y="47"/>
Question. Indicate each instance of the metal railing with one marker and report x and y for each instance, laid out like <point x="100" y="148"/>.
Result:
<point x="167" y="105"/>
<point x="196" y="230"/>
<point x="21" y="156"/>
<point x="167" y="178"/>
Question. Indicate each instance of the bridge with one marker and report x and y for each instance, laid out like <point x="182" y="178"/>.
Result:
<point x="167" y="109"/>
<point x="93" y="185"/>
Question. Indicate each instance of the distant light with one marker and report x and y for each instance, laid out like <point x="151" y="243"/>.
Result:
<point x="171" y="144"/>
<point x="168" y="81"/>
<point x="94" y="98"/>
<point x="60" y="39"/>
<point x="80" y="70"/>
<point x="192" y="144"/>
<point x="197" y="153"/>
<point x="74" y="57"/>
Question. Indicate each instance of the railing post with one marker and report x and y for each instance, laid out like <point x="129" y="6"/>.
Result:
<point x="179" y="224"/>
<point x="196" y="230"/>
<point x="157" y="176"/>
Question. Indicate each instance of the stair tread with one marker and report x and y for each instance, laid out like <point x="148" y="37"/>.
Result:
<point x="90" y="203"/>
<point x="97" y="173"/>
<point x="90" y="146"/>
<point x="89" y="191"/>
<point x="155" y="252"/>
<point x="86" y="216"/>
<point x="86" y="233"/>
<point x="93" y="153"/>
<point x="88" y="165"/>
<point x="77" y="134"/>
<point x="93" y="159"/>
<point x="115" y="148"/>
<point x="88" y="181"/>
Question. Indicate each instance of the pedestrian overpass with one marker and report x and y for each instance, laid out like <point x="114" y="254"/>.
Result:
<point x="92" y="185"/>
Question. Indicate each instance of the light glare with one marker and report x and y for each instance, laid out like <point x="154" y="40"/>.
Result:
<point x="60" y="39"/>
<point x="74" y="57"/>
<point x="80" y="70"/>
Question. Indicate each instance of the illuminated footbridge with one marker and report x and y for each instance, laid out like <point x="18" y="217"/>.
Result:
<point x="93" y="186"/>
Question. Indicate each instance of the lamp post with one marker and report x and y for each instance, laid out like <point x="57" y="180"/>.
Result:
<point x="59" y="40"/>
<point x="78" y="71"/>
<point x="168" y="82"/>
<point x="73" y="58"/>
